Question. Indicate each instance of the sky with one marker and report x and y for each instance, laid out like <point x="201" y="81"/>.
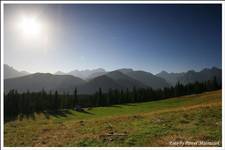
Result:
<point x="150" y="37"/>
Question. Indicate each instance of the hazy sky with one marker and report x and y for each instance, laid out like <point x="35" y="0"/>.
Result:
<point x="64" y="37"/>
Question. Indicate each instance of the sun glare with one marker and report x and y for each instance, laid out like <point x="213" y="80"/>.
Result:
<point x="31" y="33"/>
<point x="30" y="26"/>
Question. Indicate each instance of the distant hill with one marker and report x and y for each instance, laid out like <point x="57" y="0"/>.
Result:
<point x="10" y="72"/>
<point x="103" y="82"/>
<point x="125" y="70"/>
<point x="191" y="76"/>
<point x="111" y="80"/>
<point x="87" y="74"/>
<point x="148" y="79"/>
<point x="95" y="74"/>
<point x="118" y="80"/>
<point x="46" y="81"/>
<point x="125" y="81"/>
<point x="84" y="74"/>
<point x="60" y="73"/>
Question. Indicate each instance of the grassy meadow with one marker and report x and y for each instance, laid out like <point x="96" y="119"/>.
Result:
<point x="156" y="123"/>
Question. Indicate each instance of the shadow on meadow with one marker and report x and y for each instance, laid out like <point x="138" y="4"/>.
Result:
<point x="47" y="114"/>
<point x="57" y="113"/>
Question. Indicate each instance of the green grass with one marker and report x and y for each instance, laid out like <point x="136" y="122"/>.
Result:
<point x="189" y="118"/>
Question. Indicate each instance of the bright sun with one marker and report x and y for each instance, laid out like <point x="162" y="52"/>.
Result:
<point x="30" y="26"/>
<point x="32" y="33"/>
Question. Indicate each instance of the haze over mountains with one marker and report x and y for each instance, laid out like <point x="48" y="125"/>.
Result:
<point x="38" y="81"/>
<point x="191" y="76"/>
<point x="84" y="74"/>
<point x="10" y="72"/>
<point x="89" y="81"/>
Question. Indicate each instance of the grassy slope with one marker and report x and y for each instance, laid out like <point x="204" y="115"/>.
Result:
<point x="188" y="118"/>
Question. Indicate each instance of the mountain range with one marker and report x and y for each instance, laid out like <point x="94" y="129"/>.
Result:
<point x="10" y="72"/>
<point x="84" y="74"/>
<point x="191" y="76"/>
<point x="99" y="78"/>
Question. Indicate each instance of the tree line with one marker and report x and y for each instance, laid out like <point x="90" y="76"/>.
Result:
<point x="16" y="103"/>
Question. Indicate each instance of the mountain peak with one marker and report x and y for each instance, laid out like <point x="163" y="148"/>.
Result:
<point x="59" y="73"/>
<point x="125" y="70"/>
<point x="87" y="73"/>
<point x="163" y="72"/>
<point x="10" y="72"/>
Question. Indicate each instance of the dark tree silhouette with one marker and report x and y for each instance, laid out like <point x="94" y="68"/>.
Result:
<point x="16" y="103"/>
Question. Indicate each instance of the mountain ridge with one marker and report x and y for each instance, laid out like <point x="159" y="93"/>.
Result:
<point x="10" y="72"/>
<point x="120" y="79"/>
<point x="191" y="76"/>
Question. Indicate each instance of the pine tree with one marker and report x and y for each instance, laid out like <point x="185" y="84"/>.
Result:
<point x="100" y="97"/>
<point x="75" y="97"/>
<point x="56" y="103"/>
